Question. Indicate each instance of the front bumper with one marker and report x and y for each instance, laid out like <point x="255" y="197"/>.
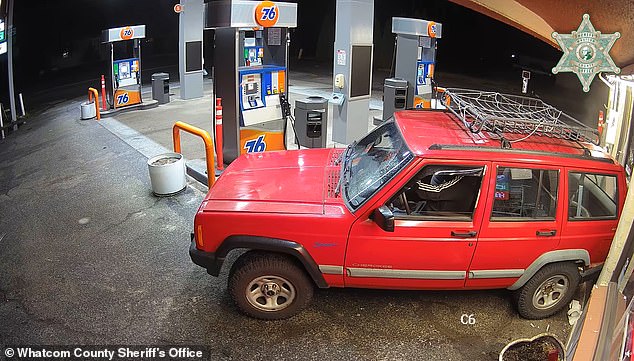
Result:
<point x="207" y="260"/>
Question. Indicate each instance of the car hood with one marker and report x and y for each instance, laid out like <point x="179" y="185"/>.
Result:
<point x="279" y="182"/>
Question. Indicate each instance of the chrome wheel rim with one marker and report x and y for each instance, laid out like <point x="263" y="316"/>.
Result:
<point x="270" y="293"/>
<point x="550" y="292"/>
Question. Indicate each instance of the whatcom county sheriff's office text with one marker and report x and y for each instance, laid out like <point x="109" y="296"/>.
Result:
<point x="109" y="353"/>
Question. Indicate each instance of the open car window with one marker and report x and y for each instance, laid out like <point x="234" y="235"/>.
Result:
<point x="440" y="192"/>
<point x="592" y="196"/>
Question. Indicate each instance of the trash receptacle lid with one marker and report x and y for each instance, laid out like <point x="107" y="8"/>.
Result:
<point x="396" y="82"/>
<point x="160" y="76"/>
<point x="312" y="103"/>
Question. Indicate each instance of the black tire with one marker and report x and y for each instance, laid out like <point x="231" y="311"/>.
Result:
<point x="255" y="274"/>
<point x="558" y="282"/>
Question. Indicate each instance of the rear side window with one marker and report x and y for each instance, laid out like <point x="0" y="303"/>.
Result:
<point x="523" y="194"/>
<point x="592" y="196"/>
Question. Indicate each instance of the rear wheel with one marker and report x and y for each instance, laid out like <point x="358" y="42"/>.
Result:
<point x="269" y="286"/>
<point x="548" y="291"/>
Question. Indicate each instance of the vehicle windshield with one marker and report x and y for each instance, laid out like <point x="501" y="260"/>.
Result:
<point x="372" y="162"/>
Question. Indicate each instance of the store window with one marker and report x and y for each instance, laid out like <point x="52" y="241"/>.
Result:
<point x="523" y="194"/>
<point x="440" y="192"/>
<point x="591" y="196"/>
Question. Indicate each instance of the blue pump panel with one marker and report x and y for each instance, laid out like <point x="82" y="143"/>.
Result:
<point x="126" y="72"/>
<point x="422" y="72"/>
<point x="265" y="80"/>
<point x="256" y="82"/>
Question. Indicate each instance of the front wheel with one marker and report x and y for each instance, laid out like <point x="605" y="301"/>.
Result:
<point x="269" y="286"/>
<point x="548" y="291"/>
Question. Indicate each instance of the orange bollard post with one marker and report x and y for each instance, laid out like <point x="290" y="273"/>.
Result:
<point x="92" y="93"/>
<point x="103" y="93"/>
<point x="209" y="146"/>
<point x="218" y="134"/>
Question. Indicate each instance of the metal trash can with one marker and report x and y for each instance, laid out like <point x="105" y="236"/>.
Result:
<point x="161" y="87"/>
<point x="88" y="110"/>
<point x="311" y="121"/>
<point x="394" y="96"/>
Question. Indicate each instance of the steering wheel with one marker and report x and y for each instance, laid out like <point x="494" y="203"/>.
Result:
<point x="584" y="212"/>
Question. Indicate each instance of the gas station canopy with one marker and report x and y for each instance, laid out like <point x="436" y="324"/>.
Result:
<point x="541" y="18"/>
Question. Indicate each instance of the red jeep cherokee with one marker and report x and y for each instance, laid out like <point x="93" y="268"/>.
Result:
<point x="421" y="203"/>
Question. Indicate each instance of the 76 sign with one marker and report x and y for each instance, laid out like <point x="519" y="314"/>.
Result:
<point x="126" y="33"/>
<point x="257" y="145"/>
<point x="266" y="14"/>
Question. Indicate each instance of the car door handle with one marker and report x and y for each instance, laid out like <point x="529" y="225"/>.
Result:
<point x="460" y="234"/>
<point x="549" y="233"/>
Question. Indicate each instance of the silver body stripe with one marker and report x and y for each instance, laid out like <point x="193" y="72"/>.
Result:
<point x="331" y="270"/>
<point x="411" y="274"/>
<point x="497" y="273"/>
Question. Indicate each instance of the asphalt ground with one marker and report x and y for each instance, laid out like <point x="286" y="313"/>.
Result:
<point x="89" y="256"/>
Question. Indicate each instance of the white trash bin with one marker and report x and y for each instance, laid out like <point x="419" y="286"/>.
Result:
<point x="167" y="174"/>
<point x="88" y="110"/>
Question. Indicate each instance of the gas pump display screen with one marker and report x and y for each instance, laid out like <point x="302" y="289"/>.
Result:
<point x="252" y="88"/>
<point x="193" y="56"/>
<point x="360" y="70"/>
<point x="124" y="70"/>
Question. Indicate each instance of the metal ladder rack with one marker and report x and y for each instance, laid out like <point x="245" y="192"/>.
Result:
<point x="502" y="114"/>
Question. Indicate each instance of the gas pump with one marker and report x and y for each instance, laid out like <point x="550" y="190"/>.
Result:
<point x="125" y="65"/>
<point x="415" y="64"/>
<point x="251" y="62"/>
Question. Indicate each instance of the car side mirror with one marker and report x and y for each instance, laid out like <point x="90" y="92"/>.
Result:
<point x="384" y="218"/>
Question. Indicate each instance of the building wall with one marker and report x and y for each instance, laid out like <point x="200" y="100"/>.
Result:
<point x="618" y="133"/>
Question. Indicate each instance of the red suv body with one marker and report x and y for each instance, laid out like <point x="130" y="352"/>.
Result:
<point x="420" y="203"/>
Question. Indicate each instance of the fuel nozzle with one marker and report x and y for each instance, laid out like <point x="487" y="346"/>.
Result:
<point x="286" y="106"/>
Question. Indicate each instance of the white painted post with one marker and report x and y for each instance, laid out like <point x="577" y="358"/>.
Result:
<point x="620" y="238"/>
<point x="21" y="104"/>
<point x="1" y="121"/>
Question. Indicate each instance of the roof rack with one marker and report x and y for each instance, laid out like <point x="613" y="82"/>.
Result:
<point x="503" y="113"/>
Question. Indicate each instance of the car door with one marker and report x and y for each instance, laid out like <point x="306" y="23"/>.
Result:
<point x="432" y="243"/>
<point x="594" y="199"/>
<point x="522" y="222"/>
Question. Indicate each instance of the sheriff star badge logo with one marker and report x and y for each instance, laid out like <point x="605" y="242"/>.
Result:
<point x="586" y="52"/>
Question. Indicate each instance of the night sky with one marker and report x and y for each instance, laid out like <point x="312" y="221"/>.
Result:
<point x="56" y="39"/>
<point x="57" y="43"/>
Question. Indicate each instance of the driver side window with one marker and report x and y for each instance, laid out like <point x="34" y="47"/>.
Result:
<point x="439" y="192"/>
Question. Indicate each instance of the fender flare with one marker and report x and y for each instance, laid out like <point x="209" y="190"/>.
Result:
<point x="257" y="243"/>
<point x="572" y="255"/>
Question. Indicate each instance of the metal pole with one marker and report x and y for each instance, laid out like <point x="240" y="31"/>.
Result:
<point x="9" y="34"/>
<point x="112" y="80"/>
<point x="140" y="66"/>
<point x="288" y="42"/>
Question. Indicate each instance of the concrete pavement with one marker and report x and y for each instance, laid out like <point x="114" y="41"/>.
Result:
<point x="156" y="124"/>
